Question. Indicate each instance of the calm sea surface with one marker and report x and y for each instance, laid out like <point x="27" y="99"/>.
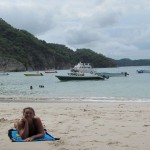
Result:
<point x="135" y="87"/>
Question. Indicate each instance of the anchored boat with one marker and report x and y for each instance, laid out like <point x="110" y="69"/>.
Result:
<point x="33" y="74"/>
<point x="107" y="75"/>
<point x="143" y="71"/>
<point x="87" y="68"/>
<point x="79" y="76"/>
<point x="4" y="74"/>
<point x="83" y="67"/>
<point x="51" y="71"/>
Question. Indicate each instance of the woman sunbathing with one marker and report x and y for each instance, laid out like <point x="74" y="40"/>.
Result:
<point x="30" y="126"/>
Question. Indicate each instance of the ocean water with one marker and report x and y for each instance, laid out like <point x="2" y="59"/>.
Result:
<point x="135" y="87"/>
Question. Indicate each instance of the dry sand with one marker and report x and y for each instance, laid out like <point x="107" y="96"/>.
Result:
<point x="82" y="126"/>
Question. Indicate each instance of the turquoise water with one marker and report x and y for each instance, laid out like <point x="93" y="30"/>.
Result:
<point x="135" y="87"/>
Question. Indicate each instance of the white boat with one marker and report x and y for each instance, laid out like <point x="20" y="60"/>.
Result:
<point x="107" y="75"/>
<point x="83" y="67"/>
<point x="33" y="74"/>
<point x="87" y="68"/>
<point x="4" y="74"/>
<point x="143" y="71"/>
<point x="51" y="71"/>
<point x="79" y="76"/>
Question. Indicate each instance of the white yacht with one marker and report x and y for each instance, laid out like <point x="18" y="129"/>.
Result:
<point x="83" y="67"/>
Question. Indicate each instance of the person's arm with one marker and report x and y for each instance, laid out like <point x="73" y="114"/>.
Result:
<point x="23" y="128"/>
<point x="40" y="130"/>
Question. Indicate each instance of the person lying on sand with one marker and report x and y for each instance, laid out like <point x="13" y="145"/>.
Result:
<point x="30" y="126"/>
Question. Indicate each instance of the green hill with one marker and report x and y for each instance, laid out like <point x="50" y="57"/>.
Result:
<point x="20" y="50"/>
<point x="129" y="62"/>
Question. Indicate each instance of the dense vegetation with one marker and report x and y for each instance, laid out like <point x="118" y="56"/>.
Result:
<point x="33" y="53"/>
<point x="97" y="60"/>
<point x="37" y="54"/>
<point x="129" y="62"/>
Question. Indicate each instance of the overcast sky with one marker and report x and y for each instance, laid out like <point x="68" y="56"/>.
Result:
<point x="115" y="28"/>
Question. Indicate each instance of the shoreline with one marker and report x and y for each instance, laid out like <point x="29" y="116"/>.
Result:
<point x="18" y="99"/>
<point x="83" y="125"/>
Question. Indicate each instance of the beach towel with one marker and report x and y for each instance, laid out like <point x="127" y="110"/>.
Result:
<point x="14" y="136"/>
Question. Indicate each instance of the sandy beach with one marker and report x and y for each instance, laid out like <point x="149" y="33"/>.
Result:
<point x="82" y="126"/>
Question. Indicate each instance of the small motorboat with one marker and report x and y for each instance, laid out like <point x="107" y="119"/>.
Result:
<point x="33" y="74"/>
<point x="143" y="71"/>
<point x="107" y="75"/>
<point x="4" y="74"/>
<point x="51" y="71"/>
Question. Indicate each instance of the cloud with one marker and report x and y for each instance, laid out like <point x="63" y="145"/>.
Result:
<point x="36" y="18"/>
<point x="114" y="28"/>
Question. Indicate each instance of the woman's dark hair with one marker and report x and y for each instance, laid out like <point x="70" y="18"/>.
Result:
<point x="30" y="109"/>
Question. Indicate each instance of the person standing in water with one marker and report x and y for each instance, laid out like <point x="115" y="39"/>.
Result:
<point x="30" y="126"/>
